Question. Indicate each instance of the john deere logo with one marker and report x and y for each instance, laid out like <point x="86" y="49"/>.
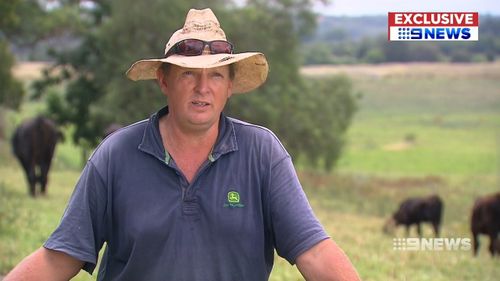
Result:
<point x="233" y="200"/>
<point x="233" y="197"/>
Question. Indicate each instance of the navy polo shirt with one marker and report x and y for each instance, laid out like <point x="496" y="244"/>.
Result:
<point x="244" y="202"/>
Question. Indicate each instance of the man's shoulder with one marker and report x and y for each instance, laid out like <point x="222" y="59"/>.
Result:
<point x="123" y="138"/>
<point x="249" y="128"/>
<point x="134" y="130"/>
<point x="252" y="134"/>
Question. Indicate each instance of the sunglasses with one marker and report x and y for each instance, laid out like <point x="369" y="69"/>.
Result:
<point x="195" y="47"/>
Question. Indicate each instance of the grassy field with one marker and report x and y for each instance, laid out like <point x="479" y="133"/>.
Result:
<point x="420" y="129"/>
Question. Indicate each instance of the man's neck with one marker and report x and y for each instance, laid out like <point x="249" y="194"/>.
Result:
<point x="177" y="137"/>
<point x="189" y="148"/>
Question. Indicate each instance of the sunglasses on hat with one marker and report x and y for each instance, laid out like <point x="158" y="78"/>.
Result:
<point x="195" y="47"/>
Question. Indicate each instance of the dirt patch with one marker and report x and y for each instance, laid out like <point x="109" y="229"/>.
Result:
<point x="29" y="70"/>
<point x="398" y="146"/>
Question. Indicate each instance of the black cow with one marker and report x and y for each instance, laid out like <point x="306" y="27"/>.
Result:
<point x="33" y="143"/>
<point x="485" y="219"/>
<point x="415" y="211"/>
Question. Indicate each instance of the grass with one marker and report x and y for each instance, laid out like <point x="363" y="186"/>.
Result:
<point x="454" y="123"/>
<point x="462" y="145"/>
<point x="420" y="129"/>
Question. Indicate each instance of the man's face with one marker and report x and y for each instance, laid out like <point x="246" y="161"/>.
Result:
<point x="196" y="97"/>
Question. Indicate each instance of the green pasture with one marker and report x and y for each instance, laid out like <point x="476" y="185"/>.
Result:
<point x="412" y="135"/>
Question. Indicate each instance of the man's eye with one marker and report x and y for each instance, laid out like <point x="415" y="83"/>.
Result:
<point x="217" y="75"/>
<point x="187" y="73"/>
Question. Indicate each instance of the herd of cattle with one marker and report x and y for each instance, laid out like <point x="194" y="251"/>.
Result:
<point x="34" y="142"/>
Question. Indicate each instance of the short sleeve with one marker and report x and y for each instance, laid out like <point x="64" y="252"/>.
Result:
<point x="81" y="231"/>
<point x="295" y="226"/>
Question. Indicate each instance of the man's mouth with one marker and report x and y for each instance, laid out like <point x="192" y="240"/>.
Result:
<point x="199" y="103"/>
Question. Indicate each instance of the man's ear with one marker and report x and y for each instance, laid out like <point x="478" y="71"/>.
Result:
<point x="161" y="79"/>
<point x="230" y="89"/>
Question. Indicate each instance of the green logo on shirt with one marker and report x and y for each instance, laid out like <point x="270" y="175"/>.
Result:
<point x="233" y="200"/>
<point x="233" y="197"/>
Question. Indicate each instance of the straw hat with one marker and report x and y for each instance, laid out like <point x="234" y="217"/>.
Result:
<point x="250" y="68"/>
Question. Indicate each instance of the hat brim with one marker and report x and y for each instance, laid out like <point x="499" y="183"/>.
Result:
<point x="250" y="68"/>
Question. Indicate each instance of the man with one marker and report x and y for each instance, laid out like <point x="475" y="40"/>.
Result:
<point x="190" y="194"/>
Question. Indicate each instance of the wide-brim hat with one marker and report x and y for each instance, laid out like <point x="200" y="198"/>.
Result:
<point x="250" y="68"/>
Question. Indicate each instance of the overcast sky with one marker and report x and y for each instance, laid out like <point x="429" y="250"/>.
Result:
<point x="381" y="7"/>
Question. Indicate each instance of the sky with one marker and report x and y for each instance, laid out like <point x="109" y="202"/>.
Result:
<point x="381" y="7"/>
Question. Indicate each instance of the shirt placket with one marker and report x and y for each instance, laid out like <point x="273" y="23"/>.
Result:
<point x="190" y="204"/>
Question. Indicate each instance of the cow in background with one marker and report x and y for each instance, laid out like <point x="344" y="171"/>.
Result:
<point x="111" y="128"/>
<point x="33" y="143"/>
<point x="414" y="211"/>
<point x="485" y="219"/>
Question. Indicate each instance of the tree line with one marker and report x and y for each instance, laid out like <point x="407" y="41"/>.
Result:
<point x="86" y="87"/>
<point x="364" y="40"/>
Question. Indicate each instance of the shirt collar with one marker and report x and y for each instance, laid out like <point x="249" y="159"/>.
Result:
<point x="152" y="143"/>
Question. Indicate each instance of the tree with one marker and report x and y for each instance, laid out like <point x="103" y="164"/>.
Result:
<point x="11" y="90"/>
<point x="317" y="53"/>
<point x="324" y="113"/>
<point x="75" y="69"/>
<point x="302" y="113"/>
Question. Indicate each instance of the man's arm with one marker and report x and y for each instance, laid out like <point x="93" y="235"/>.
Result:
<point x="45" y="264"/>
<point x="325" y="261"/>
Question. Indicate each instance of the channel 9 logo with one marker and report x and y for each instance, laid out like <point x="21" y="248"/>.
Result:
<point x="431" y="244"/>
<point x="446" y="26"/>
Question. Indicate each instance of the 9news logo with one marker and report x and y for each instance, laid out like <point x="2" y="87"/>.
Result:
<point x="446" y="26"/>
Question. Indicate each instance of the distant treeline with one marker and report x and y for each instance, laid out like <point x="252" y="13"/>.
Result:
<point x="346" y="40"/>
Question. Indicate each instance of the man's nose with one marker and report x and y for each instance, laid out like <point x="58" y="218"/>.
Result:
<point x="203" y="82"/>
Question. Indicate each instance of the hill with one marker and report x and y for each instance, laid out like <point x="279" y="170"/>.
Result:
<point x="334" y="29"/>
